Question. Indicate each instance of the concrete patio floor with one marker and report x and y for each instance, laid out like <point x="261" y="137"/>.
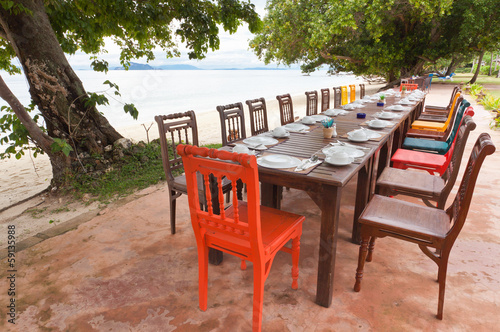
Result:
<point x="124" y="271"/>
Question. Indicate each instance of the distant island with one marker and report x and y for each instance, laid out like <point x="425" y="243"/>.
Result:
<point x="141" y="66"/>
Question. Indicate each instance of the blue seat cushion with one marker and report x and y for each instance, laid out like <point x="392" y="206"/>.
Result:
<point x="438" y="147"/>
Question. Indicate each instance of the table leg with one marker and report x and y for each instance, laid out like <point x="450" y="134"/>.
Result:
<point x="362" y="197"/>
<point x="270" y="195"/>
<point x="329" y="203"/>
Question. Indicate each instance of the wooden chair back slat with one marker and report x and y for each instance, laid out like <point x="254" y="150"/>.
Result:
<point x="361" y="91"/>
<point x="325" y="99"/>
<point x="258" y="116"/>
<point x="175" y="129"/>
<point x="460" y="207"/>
<point x="286" y="109"/>
<point x="352" y="93"/>
<point x="311" y="103"/>
<point x="337" y="96"/>
<point x="344" y="93"/>
<point x="232" y="121"/>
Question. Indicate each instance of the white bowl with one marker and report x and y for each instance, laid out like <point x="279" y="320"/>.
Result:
<point x="377" y="123"/>
<point x="339" y="159"/>
<point x="308" y="120"/>
<point x="279" y="132"/>
<point x="358" y="135"/>
<point x="240" y="148"/>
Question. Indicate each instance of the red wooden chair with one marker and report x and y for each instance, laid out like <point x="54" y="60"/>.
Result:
<point x="408" y="86"/>
<point x="430" y="162"/>
<point x="238" y="230"/>
<point x="428" y="227"/>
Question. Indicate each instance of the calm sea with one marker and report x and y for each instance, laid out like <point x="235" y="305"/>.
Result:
<point x="169" y="91"/>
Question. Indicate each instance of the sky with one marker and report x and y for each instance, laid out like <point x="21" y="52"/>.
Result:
<point x="233" y="52"/>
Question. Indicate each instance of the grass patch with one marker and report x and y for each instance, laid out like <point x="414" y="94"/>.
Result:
<point x="140" y="168"/>
<point x="481" y="79"/>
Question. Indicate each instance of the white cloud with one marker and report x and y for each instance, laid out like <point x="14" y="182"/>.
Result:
<point x="233" y="51"/>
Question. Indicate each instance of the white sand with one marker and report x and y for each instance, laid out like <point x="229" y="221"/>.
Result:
<point x="27" y="176"/>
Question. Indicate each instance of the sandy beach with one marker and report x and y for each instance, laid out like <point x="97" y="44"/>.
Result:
<point x="29" y="176"/>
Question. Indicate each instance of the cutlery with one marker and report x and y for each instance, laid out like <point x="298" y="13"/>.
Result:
<point x="311" y="160"/>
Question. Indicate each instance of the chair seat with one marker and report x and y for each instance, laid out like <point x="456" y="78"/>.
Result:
<point x="405" y="218"/>
<point x="277" y="226"/>
<point x="410" y="182"/>
<point x="429" y="125"/>
<point x="433" y="117"/>
<point x="409" y="157"/>
<point x="425" y="144"/>
<point x="427" y="134"/>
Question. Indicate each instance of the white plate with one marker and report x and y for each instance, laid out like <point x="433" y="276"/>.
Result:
<point x="395" y="108"/>
<point x="278" y="161"/>
<point x="256" y="140"/>
<point x="357" y="140"/>
<point x="332" y="161"/>
<point x="320" y="117"/>
<point x="335" y="112"/>
<point x="296" y="127"/>
<point x="372" y="125"/>
<point x="387" y="116"/>
<point x="352" y="152"/>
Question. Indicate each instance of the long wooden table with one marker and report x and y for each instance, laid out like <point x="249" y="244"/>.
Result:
<point x="325" y="183"/>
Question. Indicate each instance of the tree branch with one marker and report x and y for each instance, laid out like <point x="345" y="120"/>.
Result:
<point x="342" y="57"/>
<point x="43" y="140"/>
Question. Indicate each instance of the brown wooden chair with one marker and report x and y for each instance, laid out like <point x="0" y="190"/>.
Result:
<point x="311" y="103"/>
<point x="258" y="116"/>
<point x="232" y="123"/>
<point x="337" y="96"/>
<point x="441" y="110"/>
<point x="286" y="109"/>
<point x="361" y="91"/>
<point x="175" y="129"/>
<point x="395" y="181"/>
<point x="428" y="227"/>
<point x="325" y="99"/>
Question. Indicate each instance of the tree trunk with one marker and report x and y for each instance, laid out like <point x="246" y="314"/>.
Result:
<point x="451" y="67"/>
<point x="476" y="74"/>
<point x="491" y="64"/>
<point x="472" y="68"/>
<point x="54" y="86"/>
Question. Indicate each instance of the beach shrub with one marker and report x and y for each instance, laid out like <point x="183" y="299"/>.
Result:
<point x="475" y="89"/>
<point x="136" y="168"/>
<point x="491" y="103"/>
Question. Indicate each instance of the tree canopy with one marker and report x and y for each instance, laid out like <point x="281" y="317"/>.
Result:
<point x="39" y="33"/>
<point x="388" y="38"/>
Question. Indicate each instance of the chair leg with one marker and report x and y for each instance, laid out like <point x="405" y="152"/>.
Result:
<point x="371" y="246"/>
<point x="202" y="276"/>
<point x="361" y="263"/>
<point x="443" y="267"/>
<point x="172" y="210"/>
<point x="258" y="296"/>
<point x="243" y="264"/>
<point x="295" y="262"/>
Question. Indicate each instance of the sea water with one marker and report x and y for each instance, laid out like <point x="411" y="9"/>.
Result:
<point x="156" y="92"/>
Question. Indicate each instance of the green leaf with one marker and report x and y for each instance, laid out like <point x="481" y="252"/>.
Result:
<point x="130" y="108"/>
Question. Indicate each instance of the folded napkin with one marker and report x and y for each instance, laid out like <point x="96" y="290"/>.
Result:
<point x="306" y="164"/>
<point x="350" y="145"/>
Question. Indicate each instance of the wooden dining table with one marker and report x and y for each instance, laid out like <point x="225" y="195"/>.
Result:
<point x="325" y="183"/>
